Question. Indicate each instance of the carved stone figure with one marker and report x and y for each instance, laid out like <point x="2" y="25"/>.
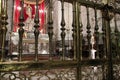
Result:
<point x="29" y="23"/>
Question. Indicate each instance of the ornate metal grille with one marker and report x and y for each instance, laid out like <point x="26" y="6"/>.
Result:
<point x="82" y="63"/>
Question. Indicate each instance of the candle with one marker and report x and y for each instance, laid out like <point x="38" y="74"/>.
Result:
<point x="93" y="53"/>
<point x="93" y="50"/>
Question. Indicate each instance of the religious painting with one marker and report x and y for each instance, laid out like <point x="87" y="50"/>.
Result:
<point x="29" y="14"/>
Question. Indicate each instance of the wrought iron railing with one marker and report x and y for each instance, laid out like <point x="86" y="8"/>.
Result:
<point x="103" y="66"/>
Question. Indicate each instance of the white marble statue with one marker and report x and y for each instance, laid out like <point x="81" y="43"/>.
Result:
<point x="29" y="23"/>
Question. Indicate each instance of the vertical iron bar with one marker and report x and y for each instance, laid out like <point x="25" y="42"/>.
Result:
<point x="80" y="31"/>
<point x="21" y="30"/>
<point x="107" y="15"/>
<point x="74" y="30"/>
<point x="63" y="31"/>
<point x="4" y="18"/>
<point x="96" y="34"/>
<point x="88" y="31"/>
<point x="79" y="40"/>
<point x="12" y="23"/>
<point x="36" y="31"/>
<point x="104" y="38"/>
<point x="104" y="46"/>
<point x="116" y="38"/>
<point x="108" y="51"/>
<point x="0" y="11"/>
<point x="0" y="25"/>
<point x="50" y="29"/>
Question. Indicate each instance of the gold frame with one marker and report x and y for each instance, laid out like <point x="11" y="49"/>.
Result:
<point x="32" y="1"/>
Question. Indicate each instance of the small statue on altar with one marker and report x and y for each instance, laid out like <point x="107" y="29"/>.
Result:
<point x="29" y="23"/>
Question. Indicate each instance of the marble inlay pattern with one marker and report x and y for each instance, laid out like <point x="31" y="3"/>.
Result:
<point x="54" y="74"/>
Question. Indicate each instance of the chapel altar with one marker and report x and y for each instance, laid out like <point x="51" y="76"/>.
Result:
<point x="86" y="35"/>
<point x="28" y="46"/>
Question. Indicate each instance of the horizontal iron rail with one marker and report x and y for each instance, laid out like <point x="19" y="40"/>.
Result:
<point x="93" y="4"/>
<point x="31" y="65"/>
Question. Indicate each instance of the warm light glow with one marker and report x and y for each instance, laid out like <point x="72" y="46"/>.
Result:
<point x="19" y="8"/>
<point x="14" y="6"/>
<point x="24" y="5"/>
<point x="41" y="11"/>
<point x="35" y="7"/>
<point x="52" y="12"/>
<point x="44" y="52"/>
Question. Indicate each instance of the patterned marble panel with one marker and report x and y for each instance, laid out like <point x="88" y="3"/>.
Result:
<point x="54" y="74"/>
<point x="92" y="73"/>
<point x="116" y="69"/>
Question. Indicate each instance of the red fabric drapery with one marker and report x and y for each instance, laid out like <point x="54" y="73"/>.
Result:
<point x="17" y="14"/>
